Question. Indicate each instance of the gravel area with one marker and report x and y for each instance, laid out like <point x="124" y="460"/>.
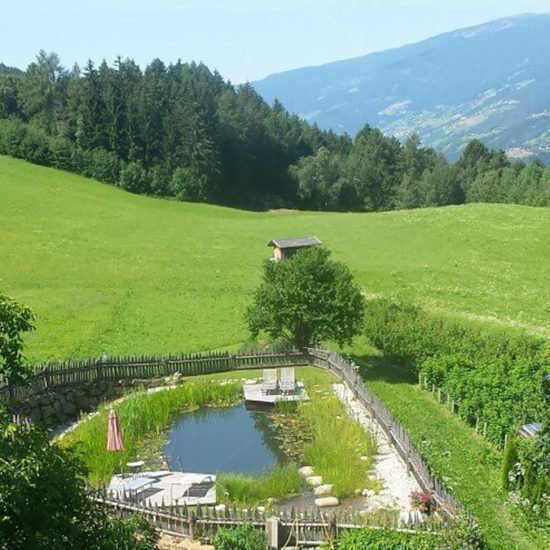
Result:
<point x="389" y="468"/>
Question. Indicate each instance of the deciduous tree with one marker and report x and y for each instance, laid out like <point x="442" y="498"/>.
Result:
<point x="307" y="298"/>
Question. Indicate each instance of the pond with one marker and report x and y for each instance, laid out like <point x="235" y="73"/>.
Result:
<point x="231" y="439"/>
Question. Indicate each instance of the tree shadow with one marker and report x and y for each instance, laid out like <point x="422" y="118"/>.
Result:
<point x="393" y="370"/>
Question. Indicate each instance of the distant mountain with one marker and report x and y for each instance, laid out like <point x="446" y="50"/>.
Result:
<point x="490" y="82"/>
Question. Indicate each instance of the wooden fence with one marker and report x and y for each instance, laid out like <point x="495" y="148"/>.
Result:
<point x="444" y="397"/>
<point x="303" y="529"/>
<point x="395" y="432"/>
<point x="67" y="373"/>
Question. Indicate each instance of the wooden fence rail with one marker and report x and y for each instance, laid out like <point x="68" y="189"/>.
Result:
<point x="395" y="432"/>
<point x="304" y="529"/>
<point x="67" y="373"/>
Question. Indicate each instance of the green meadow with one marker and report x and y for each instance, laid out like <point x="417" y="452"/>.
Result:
<point x="106" y="270"/>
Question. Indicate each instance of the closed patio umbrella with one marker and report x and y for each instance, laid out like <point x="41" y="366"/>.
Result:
<point x="114" y="435"/>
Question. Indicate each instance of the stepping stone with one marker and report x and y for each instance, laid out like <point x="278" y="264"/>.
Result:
<point x="323" y="490"/>
<point x="305" y="471"/>
<point x="314" y="481"/>
<point x="326" y="502"/>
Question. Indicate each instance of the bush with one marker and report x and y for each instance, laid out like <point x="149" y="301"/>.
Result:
<point x="496" y="376"/>
<point x="243" y="537"/>
<point x="44" y="502"/>
<point x="462" y="536"/>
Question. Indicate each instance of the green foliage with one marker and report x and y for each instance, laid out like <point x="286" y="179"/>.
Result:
<point x="143" y="417"/>
<point x="494" y="375"/>
<point x="510" y="461"/>
<point x="44" y="502"/>
<point x="243" y="537"/>
<point x="337" y="445"/>
<point x="248" y="490"/>
<point x="15" y="320"/>
<point x="461" y="537"/>
<point x="387" y="539"/>
<point x="307" y="298"/>
<point x="468" y="465"/>
<point x="219" y="143"/>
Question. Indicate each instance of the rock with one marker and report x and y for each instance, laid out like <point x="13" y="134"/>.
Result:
<point x="325" y="502"/>
<point x="306" y="471"/>
<point x="323" y="490"/>
<point x="314" y="481"/>
<point x="368" y="492"/>
<point x="47" y="412"/>
<point x="69" y="409"/>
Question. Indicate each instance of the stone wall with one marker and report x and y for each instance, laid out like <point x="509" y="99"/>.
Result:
<point x="62" y="404"/>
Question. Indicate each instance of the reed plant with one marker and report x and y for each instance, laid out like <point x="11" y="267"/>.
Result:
<point x="340" y="451"/>
<point x="247" y="490"/>
<point x="144" y="418"/>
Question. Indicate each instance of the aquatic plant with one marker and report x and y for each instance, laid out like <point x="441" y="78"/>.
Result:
<point x="144" y="417"/>
<point x="277" y="483"/>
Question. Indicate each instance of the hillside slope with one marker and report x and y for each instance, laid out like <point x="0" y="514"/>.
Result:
<point x="489" y="82"/>
<point x="106" y="270"/>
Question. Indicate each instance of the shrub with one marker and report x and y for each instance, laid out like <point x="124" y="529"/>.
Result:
<point x="495" y="376"/>
<point x="243" y="537"/>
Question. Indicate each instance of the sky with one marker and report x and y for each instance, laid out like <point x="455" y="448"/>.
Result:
<point x="245" y="40"/>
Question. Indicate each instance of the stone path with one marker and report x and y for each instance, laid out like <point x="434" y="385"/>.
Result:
<point x="389" y="468"/>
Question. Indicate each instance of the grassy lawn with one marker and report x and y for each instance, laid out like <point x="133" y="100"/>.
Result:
<point x="469" y="466"/>
<point x="106" y="270"/>
<point x="334" y="450"/>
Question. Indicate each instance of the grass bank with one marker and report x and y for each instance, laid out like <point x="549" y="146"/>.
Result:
<point x="468" y="465"/>
<point x="106" y="270"/>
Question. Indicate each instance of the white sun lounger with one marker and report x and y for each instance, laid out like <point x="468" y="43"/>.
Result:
<point x="270" y="381"/>
<point x="288" y="382"/>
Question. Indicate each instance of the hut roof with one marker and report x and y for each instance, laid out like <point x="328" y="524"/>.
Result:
<point x="529" y="430"/>
<point x="294" y="242"/>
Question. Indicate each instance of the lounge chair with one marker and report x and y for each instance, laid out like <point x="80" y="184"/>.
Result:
<point x="288" y="382"/>
<point x="270" y="381"/>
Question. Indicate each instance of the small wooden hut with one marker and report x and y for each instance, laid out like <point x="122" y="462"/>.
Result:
<point x="285" y="248"/>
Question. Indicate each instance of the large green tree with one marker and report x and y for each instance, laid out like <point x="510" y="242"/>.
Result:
<point x="15" y="320"/>
<point x="306" y="299"/>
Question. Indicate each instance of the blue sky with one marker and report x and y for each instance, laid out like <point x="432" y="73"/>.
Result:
<point x="243" y="39"/>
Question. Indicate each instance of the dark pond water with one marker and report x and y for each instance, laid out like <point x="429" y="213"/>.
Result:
<point x="231" y="439"/>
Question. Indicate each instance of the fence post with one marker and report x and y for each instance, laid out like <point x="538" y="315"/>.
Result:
<point x="272" y="528"/>
<point x="191" y="523"/>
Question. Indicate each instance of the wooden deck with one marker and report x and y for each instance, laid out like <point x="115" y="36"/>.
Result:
<point x="254" y="393"/>
<point x="165" y="488"/>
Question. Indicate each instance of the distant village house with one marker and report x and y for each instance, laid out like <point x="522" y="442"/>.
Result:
<point x="285" y="248"/>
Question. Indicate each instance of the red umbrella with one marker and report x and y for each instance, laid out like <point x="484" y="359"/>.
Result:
<point x="114" y="435"/>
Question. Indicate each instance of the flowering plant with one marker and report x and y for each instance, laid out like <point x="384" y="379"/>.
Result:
<point x="420" y="500"/>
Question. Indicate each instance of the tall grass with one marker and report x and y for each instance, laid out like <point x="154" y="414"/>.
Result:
<point x="143" y="419"/>
<point x="338" y="445"/>
<point x="279" y="482"/>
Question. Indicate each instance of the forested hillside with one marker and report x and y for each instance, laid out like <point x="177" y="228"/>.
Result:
<point x="181" y="131"/>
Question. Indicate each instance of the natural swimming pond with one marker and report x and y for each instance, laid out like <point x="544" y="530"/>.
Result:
<point x="231" y="439"/>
